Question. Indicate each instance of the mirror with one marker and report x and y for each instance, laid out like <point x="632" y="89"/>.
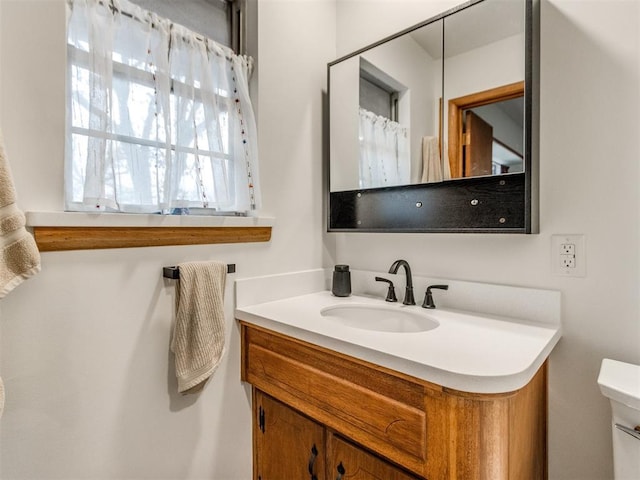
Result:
<point x="432" y="129"/>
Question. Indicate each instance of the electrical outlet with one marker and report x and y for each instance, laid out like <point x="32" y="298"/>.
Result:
<point x="567" y="249"/>
<point x="568" y="255"/>
<point x="567" y="261"/>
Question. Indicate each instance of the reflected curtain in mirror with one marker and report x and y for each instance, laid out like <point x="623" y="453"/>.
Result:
<point x="384" y="151"/>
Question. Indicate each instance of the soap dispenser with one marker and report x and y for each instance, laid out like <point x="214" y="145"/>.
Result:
<point x="341" y="286"/>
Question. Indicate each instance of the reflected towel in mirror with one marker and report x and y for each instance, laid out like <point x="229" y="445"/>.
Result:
<point x="432" y="168"/>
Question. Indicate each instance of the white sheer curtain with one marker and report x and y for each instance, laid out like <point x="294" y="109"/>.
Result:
<point x="384" y="151"/>
<point x="159" y="118"/>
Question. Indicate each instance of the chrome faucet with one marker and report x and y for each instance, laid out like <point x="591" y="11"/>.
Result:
<point x="408" y="293"/>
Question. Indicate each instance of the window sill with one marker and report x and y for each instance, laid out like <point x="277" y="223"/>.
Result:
<point x="56" y="231"/>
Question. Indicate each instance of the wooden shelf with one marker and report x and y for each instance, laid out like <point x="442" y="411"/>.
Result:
<point x="59" y="238"/>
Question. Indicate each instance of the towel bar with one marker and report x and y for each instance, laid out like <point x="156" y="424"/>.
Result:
<point x="174" y="272"/>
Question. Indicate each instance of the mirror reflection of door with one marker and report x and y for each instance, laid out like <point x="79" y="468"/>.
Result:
<point x="477" y="151"/>
<point x="486" y="132"/>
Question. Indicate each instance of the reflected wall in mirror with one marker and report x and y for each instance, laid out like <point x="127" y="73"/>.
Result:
<point x="434" y="129"/>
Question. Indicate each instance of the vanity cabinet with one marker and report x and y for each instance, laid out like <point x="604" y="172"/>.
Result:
<point x="383" y="421"/>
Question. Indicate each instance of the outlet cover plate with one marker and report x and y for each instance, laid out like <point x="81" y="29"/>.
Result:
<point x="561" y="244"/>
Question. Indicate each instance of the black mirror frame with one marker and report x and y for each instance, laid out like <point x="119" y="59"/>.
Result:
<point x="492" y="204"/>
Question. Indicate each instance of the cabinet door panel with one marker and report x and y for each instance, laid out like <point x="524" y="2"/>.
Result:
<point x="288" y="445"/>
<point x="348" y="462"/>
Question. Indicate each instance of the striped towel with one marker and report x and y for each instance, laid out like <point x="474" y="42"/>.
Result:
<point x="19" y="256"/>
<point x="198" y="335"/>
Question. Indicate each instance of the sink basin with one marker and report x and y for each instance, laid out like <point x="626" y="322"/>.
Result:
<point x="380" y="318"/>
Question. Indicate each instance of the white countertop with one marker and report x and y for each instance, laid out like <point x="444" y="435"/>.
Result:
<point x="469" y="352"/>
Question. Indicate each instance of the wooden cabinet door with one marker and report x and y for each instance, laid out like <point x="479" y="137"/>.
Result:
<point x="348" y="462"/>
<point x="287" y="445"/>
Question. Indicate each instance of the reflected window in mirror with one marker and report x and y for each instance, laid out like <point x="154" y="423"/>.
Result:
<point x="383" y="140"/>
<point x="378" y="98"/>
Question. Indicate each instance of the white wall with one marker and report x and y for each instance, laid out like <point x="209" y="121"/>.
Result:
<point x="84" y="352"/>
<point x="589" y="176"/>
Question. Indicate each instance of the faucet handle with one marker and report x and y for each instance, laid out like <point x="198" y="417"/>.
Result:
<point x="391" y="293"/>
<point x="428" y="298"/>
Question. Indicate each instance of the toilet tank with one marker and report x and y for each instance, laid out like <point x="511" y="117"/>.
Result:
<point x="620" y="382"/>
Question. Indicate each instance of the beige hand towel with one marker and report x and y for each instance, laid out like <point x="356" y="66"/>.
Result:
<point x="19" y="256"/>
<point x="198" y="336"/>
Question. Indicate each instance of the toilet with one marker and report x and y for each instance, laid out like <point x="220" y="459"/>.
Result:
<point x="620" y="383"/>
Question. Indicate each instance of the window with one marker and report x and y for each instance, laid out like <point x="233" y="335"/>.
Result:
<point x="384" y="142"/>
<point x="159" y="117"/>
<point x="209" y="18"/>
